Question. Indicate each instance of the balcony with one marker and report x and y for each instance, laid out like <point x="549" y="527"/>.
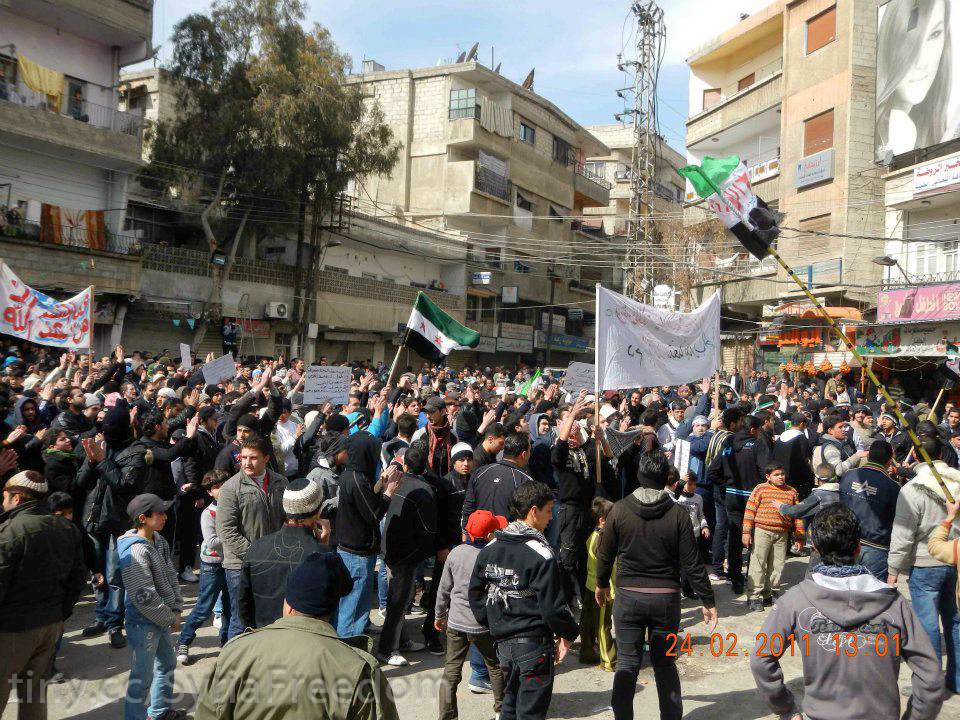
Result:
<point x="105" y="135"/>
<point x="126" y="24"/>
<point x="763" y="95"/>
<point x="898" y="281"/>
<point x="589" y="190"/>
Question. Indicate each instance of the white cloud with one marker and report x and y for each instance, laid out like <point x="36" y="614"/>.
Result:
<point x="690" y="23"/>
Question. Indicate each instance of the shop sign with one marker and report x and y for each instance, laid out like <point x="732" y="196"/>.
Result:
<point x="480" y="278"/>
<point x="558" y="341"/>
<point x="506" y="344"/>
<point x="815" y="168"/>
<point x="559" y="322"/>
<point x="931" y="302"/>
<point x="510" y="294"/>
<point x="515" y="331"/>
<point x="255" y="328"/>
<point x="937" y="177"/>
<point x="927" y="340"/>
<point x="486" y="345"/>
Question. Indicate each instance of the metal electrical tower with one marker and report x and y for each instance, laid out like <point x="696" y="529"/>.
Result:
<point x="650" y="32"/>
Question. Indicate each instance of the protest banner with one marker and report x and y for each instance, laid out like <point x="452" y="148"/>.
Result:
<point x="216" y="371"/>
<point x="326" y="382"/>
<point x="30" y="315"/>
<point x="185" y="361"/>
<point x="681" y="458"/>
<point x="579" y="376"/>
<point x="641" y="346"/>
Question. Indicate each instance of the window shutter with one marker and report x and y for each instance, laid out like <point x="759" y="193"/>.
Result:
<point x="818" y="133"/>
<point x="710" y="98"/>
<point x="821" y="29"/>
<point x="746" y="82"/>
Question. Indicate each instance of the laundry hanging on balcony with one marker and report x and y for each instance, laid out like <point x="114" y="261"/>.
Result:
<point x="77" y="228"/>
<point x="495" y="118"/>
<point x="42" y="80"/>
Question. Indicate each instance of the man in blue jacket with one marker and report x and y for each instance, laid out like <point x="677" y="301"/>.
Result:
<point x="872" y="495"/>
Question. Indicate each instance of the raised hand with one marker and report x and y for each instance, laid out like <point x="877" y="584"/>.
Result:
<point x="8" y="460"/>
<point x="93" y="450"/>
<point x="192" y="424"/>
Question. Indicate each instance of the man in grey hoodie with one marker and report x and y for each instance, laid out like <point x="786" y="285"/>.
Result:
<point x="852" y="632"/>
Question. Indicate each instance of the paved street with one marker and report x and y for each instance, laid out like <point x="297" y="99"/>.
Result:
<point x="713" y="687"/>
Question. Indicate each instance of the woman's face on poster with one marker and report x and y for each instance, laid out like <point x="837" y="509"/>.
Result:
<point x="918" y="81"/>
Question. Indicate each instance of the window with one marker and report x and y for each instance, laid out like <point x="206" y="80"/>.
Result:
<point x="76" y="99"/>
<point x="563" y="152"/>
<point x="821" y="29"/>
<point x="818" y="133"/>
<point x="8" y="74"/>
<point x="281" y="344"/>
<point x="334" y="269"/>
<point x="523" y="203"/>
<point x="480" y="308"/>
<point x="492" y="257"/>
<point x="528" y="133"/>
<point x="554" y="215"/>
<point x="522" y="268"/>
<point x="949" y="250"/>
<point x="924" y="259"/>
<point x="596" y="169"/>
<point x="711" y="97"/>
<point x="677" y="192"/>
<point x="746" y="82"/>
<point x="817" y="224"/>
<point x="463" y="104"/>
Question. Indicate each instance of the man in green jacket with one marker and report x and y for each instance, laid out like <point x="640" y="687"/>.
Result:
<point x="41" y="577"/>
<point x="297" y="668"/>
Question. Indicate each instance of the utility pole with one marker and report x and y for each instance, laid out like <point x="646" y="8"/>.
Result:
<point x="553" y="288"/>
<point x="639" y="268"/>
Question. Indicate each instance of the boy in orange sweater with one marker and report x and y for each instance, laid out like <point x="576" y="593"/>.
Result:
<point x="767" y="533"/>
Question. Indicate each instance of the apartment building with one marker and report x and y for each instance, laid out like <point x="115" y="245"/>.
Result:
<point x="791" y="89"/>
<point x="502" y="173"/>
<point x="612" y="220"/>
<point x="66" y="150"/>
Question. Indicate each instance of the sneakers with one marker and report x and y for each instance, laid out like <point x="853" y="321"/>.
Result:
<point x="768" y="601"/>
<point x="171" y="714"/>
<point x="479" y="687"/>
<point x="396" y="660"/>
<point x="98" y="628"/>
<point x="56" y="677"/>
<point x="737" y="587"/>
<point x="382" y="614"/>
<point x="418" y="611"/>
<point x="755" y="604"/>
<point x="117" y="640"/>
<point x="188" y="575"/>
<point x="412" y="646"/>
<point x="217" y="620"/>
<point x="714" y="578"/>
<point x="183" y="654"/>
<point x="435" y="647"/>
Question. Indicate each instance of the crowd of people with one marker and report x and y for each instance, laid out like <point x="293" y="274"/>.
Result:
<point x="472" y="514"/>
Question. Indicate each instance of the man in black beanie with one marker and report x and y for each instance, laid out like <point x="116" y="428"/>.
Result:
<point x="298" y="654"/>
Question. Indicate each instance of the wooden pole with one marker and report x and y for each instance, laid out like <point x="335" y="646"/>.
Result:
<point x="596" y="385"/>
<point x="716" y="393"/>
<point x="933" y="410"/>
<point x="391" y="378"/>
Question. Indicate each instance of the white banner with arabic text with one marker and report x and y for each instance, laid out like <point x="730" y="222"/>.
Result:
<point x="641" y="346"/>
<point x="33" y="316"/>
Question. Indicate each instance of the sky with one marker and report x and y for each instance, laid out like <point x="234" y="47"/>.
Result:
<point x="572" y="44"/>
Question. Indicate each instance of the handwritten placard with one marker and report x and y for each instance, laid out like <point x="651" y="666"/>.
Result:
<point x="216" y="371"/>
<point x="185" y="361"/>
<point x="326" y="383"/>
<point x="580" y="376"/>
<point x="33" y="316"/>
<point x="681" y="458"/>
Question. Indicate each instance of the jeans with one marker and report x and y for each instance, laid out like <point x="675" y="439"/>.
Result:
<point x="458" y="644"/>
<point x="735" y="546"/>
<point x="552" y="533"/>
<point x="213" y="581"/>
<point x="235" y="625"/>
<point x="527" y="666"/>
<point x="110" y="598"/>
<point x="429" y="602"/>
<point x="402" y="588"/>
<point x="933" y="594"/>
<point x="874" y="560"/>
<point x="709" y="507"/>
<point x="478" y="668"/>
<point x="152" y="660"/>
<point x="635" y="616"/>
<point x="382" y="584"/>
<point x="353" y="613"/>
<point x="188" y="530"/>
<point x="719" y="534"/>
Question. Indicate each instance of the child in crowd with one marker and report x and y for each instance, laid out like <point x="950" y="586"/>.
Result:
<point x="767" y="533"/>
<point x="596" y="621"/>
<point x="827" y="492"/>
<point x="213" y="578"/>
<point x="454" y="615"/>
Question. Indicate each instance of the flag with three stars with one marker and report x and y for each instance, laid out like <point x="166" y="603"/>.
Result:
<point x="433" y="334"/>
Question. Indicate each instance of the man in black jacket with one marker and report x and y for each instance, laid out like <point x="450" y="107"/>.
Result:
<point x="41" y="577"/>
<point x="516" y="591"/>
<point x="269" y="560"/>
<point x="491" y="486"/>
<point x="409" y="538"/>
<point x="651" y="538"/>
<point x="485" y="453"/>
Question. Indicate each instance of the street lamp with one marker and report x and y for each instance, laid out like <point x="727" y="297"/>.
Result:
<point x="887" y="261"/>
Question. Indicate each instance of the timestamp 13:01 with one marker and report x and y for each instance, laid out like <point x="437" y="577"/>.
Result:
<point x="848" y="644"/>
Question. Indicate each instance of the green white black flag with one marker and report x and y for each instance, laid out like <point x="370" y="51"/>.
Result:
<point x="433" y="334"/>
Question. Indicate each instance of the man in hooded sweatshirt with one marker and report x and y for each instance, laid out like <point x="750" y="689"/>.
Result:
<point x="920" y="510"/>
<point x="361" y="506"/>
<point x="851" y="631"/>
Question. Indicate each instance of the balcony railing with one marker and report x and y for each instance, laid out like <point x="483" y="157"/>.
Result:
<point x="580" y="169"/>
<point x="898" y="281"/>
<point x="72" y="236"/>
<point x="100" y="116"/>
<point x="491" y="183"/>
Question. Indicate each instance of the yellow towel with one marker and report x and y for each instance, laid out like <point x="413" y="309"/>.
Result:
<point x="42" y="80"/>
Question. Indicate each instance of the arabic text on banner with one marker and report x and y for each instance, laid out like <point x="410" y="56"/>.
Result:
<point x="639" y="345"/>
<point x="579" y="377"/>
<point x="33" y="316"/>
<point x="326" y="382"/>
<point x="216" y="371"/>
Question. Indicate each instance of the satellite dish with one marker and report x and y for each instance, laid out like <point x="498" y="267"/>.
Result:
<point x="460" y="57"/>
<point x="497" y="68"/>
<point x="528" y="83"/>
<point x="472" y="54"/>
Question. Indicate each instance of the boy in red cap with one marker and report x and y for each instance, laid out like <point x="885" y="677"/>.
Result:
<point x="454" y="615"/>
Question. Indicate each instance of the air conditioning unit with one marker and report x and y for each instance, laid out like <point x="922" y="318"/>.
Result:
<point x="277" y="310"/>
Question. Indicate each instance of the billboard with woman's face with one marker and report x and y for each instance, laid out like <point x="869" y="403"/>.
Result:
<point x="916" y="75"/>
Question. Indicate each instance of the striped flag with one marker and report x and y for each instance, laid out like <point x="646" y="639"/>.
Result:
<point x="433" y="334"/>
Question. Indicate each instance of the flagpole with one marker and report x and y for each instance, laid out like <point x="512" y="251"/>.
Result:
<point x="391" y="378"/>
<point x="93" y="295"/>
<point x="921" y="451"/>
<point x="596" y="380"/>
